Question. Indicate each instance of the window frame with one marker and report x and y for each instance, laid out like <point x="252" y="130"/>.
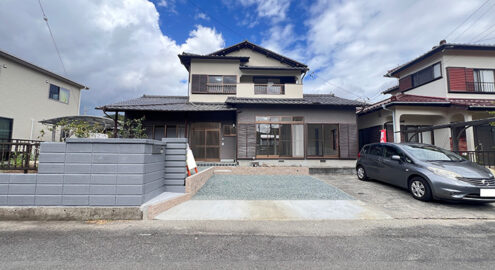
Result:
<point x="227" y="130"/>
<point x="272" y="120"/>
<point x="432" y="66"/>
<point x="59" y="91"/>
<point x="337" y="142"/>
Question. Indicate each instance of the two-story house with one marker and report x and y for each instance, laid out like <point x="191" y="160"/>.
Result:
<point x="449" y="85"/>
<point x="246" y="103"/>
<point x="29" y="94"/>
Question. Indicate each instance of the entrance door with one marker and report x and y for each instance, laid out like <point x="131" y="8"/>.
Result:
<point x="205" y="141"/>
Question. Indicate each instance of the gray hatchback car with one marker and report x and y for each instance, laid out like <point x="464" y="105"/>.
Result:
<point x="427" y="171"/>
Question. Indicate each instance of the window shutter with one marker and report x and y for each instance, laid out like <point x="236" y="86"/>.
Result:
<point x="198" y="83"/>
<point x="344" y="140"/>
<point x="348" y="140"/>
<point x="353" y="140"/>
<point x="457" y="78"/>
<point x="405" y="83"/>
<point x="246" y="141"/>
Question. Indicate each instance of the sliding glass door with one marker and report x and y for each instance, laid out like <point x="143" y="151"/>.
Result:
<point x="205" y="141"/>
<point x="323" y="140"/>
<point x="279" y="137"/>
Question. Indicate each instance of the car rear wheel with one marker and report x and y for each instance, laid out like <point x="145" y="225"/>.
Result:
<point x="420" y="189"/>
<point x="361" y="173"/>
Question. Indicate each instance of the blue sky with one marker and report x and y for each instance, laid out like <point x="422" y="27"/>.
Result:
<point x="123" y="49"/>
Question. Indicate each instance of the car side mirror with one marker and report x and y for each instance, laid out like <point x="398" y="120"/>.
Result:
<point x="396" y="157"/>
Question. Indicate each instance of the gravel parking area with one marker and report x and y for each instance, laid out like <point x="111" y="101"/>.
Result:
<point x="268" y="187"/>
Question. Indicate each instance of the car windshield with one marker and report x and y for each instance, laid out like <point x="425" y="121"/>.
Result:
<point x="431" y="153"/>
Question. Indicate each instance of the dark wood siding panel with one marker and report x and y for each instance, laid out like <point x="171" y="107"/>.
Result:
<point x="353" y="140"/>
<point x="344" y="140"/>
<point x="405" y="83"/>
<point x="241" y="141"/>
<point x="457" y="79"/>
<point x="251" y="141"/>
<point x="246" y="141"/>
<point x="348" y="140"/>
<point x="198" y="84"/>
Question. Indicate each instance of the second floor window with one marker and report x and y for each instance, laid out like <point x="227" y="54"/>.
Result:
<point x="484" y="80"/>
<point x="58" y="93"/>
<point x="213" y="84"/>
<point x="426" y="75"/>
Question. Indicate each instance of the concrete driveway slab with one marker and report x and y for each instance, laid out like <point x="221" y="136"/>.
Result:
<point x="270" y="197"/>
<point x="280" y="210"/>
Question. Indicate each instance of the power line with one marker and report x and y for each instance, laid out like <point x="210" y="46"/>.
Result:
<point x="467" y="19"/>
<point x="45" y="18"/>
<point x="473" y="22"/>
<point x="485" y="33"/>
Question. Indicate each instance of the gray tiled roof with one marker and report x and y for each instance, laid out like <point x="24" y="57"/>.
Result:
<point x="181" y="103"/>
<point x="164" y="103"/>
<point x="308" y="99"/>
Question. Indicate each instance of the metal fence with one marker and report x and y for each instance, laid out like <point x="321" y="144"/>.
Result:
<point x="484" y="158"/>
<point x="19" y="155"/>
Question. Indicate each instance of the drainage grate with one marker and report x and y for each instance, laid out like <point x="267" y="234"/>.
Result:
<point x="217" y="164"/>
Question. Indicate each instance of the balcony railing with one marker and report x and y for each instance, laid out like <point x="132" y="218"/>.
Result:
<point x="269" y="89"/>
<point x="221" y="88"/>
<point x="480" y="87"/>
<point x="19" y="154"/>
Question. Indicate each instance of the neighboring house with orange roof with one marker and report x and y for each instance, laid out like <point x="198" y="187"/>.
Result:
<point x="451" y="83"/>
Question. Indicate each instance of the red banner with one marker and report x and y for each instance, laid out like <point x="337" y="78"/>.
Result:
<point x="383" y="135"/>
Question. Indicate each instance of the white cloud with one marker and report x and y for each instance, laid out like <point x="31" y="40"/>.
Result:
<point x="162" y="3"/>
<point x="352" y="43"/>
<point x="116" y="47"/>
<point x="273" y="9"/>
<point x="202" y="16"/>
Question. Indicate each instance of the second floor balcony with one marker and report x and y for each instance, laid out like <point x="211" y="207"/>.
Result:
<point x="487" y="87"/>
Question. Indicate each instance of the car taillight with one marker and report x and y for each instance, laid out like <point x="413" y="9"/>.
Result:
<point x="359" y="154"/>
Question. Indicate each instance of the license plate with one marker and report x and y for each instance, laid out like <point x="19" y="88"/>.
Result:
<point x="487" y="192"/>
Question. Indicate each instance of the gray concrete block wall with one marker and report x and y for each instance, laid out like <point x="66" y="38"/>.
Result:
<point x="175" y="164"/>
<point x="98" y="172"/>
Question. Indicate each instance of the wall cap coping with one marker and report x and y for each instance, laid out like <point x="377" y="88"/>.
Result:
<point x="115" y="141"/>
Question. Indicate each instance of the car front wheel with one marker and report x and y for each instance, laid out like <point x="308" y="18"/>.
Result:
<point x="361" y="173"/>
<point x="420" y="189"/>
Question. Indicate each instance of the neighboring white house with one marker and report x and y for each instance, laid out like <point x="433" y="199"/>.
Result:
<point x="451" y="83"/>
<point x="29" y="94"/>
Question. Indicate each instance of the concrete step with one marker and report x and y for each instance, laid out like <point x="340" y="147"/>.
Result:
<point x="330" y="170"/>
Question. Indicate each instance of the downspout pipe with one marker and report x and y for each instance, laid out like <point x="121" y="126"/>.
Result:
<point x="384" y="107"/>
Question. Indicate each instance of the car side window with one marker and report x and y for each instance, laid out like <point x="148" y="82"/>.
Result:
<point x="391" y="151"/>
<point x="376" y="150"/>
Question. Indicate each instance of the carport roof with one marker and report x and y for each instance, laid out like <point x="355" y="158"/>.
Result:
<point x="415" y="100"/>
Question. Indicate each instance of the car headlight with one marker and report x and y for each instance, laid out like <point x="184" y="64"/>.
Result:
<point x="444" y="173"/>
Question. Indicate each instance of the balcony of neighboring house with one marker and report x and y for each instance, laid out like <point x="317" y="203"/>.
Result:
<point x="471" y="80"/>
<point x="269" y="87"/>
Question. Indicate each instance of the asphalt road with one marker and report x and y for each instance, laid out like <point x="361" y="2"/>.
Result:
<point x="405" y="244"/>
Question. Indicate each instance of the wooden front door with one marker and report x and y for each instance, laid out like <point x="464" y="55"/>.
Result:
<point x="205" y="141"/>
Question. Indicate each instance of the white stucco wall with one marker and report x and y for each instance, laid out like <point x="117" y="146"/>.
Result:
<point x="481" y="60"/>
<point x="24" y="98"/>
<point x="258" y="59"/>
<point x="231" y="67"/>
<point x="437" y="88"/>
